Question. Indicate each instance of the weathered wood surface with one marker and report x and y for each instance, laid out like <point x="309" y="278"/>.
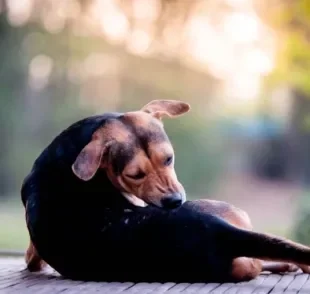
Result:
<point x="15" y="279"/>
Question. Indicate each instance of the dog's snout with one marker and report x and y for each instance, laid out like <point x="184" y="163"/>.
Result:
<point x="172" y="201"/>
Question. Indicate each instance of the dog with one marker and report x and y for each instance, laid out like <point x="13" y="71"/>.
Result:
<point x="103" y="201"/>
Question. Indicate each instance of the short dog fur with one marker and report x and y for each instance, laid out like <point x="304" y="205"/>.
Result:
<point x="103" y="202"/>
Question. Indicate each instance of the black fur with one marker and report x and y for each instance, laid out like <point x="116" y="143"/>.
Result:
<point x="87" y="230"/>
<point x="121" y="155"/>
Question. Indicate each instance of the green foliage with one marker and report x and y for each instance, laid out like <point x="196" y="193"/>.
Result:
<point x="291" y="23"/>
<point x="13" y="231"/>
<point x="199" y="153"/>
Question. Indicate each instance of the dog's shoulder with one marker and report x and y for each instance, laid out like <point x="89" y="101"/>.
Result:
<point x="56" y="159"/>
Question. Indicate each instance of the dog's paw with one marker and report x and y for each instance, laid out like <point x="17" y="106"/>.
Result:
<point x="33" y="260"/>
<point x="291" y="268"/>
<point x="36" y="265"/>
<point x="305" y="268"/>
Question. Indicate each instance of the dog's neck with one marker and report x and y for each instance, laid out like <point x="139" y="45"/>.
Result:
<point x="134" y="200"/>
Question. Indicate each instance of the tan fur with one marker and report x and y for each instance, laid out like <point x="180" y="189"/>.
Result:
<point x="159" y="181"/>
<point x="92" y="156"/>
<point x="170" y="108"/>
<point x="33" y="260"/>
<point x="140" y="119"/>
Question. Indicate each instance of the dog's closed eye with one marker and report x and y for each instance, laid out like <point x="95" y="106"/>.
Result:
<point x="138" y="176"/>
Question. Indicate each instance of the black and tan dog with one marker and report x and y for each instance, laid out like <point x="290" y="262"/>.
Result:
<point x="103" y="202"/>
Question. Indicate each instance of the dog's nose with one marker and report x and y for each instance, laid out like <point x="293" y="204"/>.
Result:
<point x="172" y="201"/>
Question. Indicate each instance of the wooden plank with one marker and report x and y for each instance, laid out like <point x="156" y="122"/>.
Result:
<point x="142" y="288"/>
<point x="115" y="287"/>
<point x="305" y="289"/>
<point x="193" y="288"/>
<point x="268" y="284"/>
<point x="163" y="288"/>
<point x="296" y="284"/>
<point x="283" y="284"/>
<point x="15" y="279"/>
<point x="177" y="288"/>
<point x="207" y="288"/>
<point x="246" y="287"/>
<point x="222" y="288"/>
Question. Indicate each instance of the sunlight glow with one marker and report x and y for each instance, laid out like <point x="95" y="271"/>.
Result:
<point x="40" y="69"/>
<point x="115" y="27"/>
<point x="212" y="50"/>
<point x="19" y="11"/>
<point x="241" y="27"/>
<point x="257" y="61"/>
<point x="53" y="23"/>
<point x="237" y="3"/>
<point x="236" y="50"/>
<point x="243" y="88"/>
<point x="112" y="21"/>
<point x="145" y="10"/>
<point x="139" y="42"/>
<point x="68" y="9"/>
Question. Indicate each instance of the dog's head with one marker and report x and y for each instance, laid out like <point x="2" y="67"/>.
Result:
<point x="137" y="155"/>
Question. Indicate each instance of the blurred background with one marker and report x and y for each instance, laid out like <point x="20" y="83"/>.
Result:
<point x="244" y="66"/>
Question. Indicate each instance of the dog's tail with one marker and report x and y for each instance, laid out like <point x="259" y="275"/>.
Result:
<point x="267" y="247"/>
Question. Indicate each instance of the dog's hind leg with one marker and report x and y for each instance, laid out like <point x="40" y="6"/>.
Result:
<point x="243" y="267"/>
<point x="279" y="267"/>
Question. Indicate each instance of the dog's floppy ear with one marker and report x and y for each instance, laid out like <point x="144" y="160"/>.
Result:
<point x="89" y="159"/>
<point x="170" y="108"/>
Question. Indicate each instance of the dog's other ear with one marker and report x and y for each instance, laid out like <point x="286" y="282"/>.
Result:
<point x="89" y="159"/>
<point x="170" y="108"/>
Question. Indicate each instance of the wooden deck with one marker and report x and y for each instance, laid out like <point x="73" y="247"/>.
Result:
<point x="15" y="279"/>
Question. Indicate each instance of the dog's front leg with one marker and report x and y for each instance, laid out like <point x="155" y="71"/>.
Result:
<point x="33" y="260"/>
